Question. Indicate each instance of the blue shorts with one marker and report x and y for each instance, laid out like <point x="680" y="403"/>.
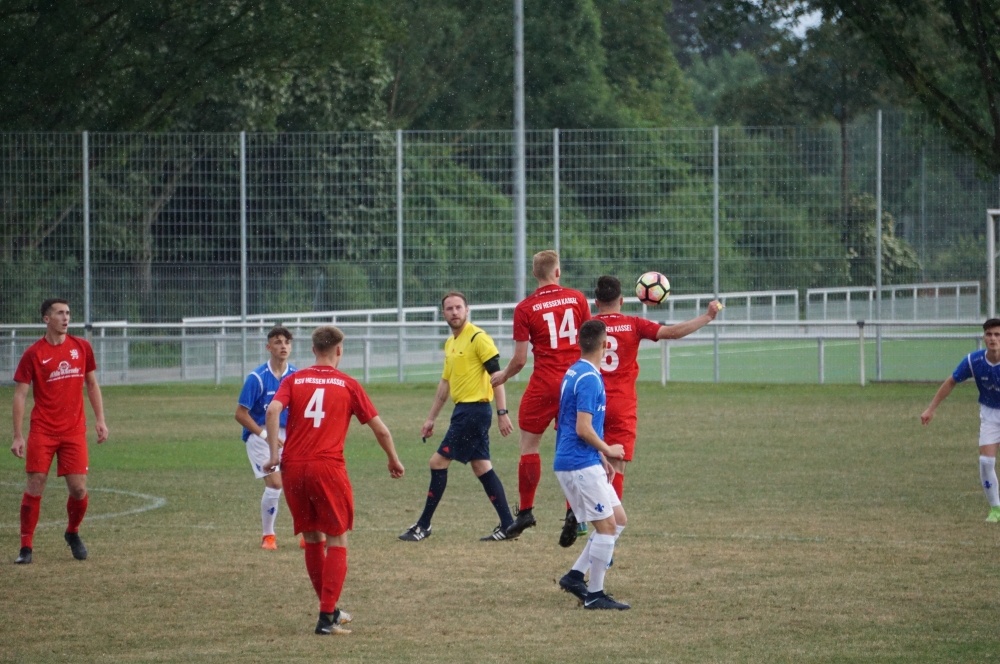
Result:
<point x="468" y="437"/>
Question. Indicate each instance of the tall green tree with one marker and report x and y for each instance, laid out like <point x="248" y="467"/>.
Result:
<point x="947" y="53"/>
<point x="124" y="65"/>
<point x="588" y="63"/>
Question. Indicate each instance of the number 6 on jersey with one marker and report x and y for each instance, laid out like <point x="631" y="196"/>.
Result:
<point x="314" y="409"/>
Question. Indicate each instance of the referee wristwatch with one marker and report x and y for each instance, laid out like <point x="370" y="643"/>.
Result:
<point x="502" y="411"/>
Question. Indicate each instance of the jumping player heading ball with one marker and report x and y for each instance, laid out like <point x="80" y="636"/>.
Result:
<point x="550" y="319"/>
<point x="620" y="367"/>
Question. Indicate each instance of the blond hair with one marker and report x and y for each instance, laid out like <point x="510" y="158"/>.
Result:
<point x="544" y="264"/>
<point x="326" y="338"/>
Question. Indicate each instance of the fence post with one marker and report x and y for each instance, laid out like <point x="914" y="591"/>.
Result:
<point x="367" y="355"/>
<point x="243" y="253"/>
<point x="183" y="353"/>
<point x="555" y="188"/>
<point x="125" y="354"/>
<point x="519" y="177"/>
<point x="822" y="360"/>
<point x="861" y="351"/>
<point x="101" y="354"/>
<point x="991" y="265"/>
<point x="13" y="350"/>
<point x="664" y="362"/>
<point x="715" y="241"/>
<point x="218" y="360"/>
<point x="400" y="314"/>
<point x="86" y="233"/>
<point x="878" y="251"/>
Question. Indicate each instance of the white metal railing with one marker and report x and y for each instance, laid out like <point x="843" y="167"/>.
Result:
<point x="130" y="353"/>
<point x="929" y="301"/>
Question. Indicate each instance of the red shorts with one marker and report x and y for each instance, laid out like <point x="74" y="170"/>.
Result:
<point x="71" y="450"/>
<point x="539" y="405"/>
<point x="319" y="496"/>
<point x="619" y="429"/>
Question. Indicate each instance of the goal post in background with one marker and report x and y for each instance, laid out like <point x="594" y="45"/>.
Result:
<point x="991" y="261"/>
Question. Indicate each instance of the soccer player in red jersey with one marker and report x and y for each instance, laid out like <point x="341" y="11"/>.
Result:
<point x="320" y="402"/>
<point x="620" y="367"/>
<point x="550" y="319"/>
<point x="57" y="366"/>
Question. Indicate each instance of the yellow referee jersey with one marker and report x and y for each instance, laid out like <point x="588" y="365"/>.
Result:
<point x="464" y="357"/>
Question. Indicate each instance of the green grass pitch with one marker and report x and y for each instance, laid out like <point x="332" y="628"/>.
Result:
<point x="766" y="523"/>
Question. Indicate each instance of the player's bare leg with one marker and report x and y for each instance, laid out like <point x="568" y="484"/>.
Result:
<point x="529" y="474"/>
<point x="988" y="475"/>
<point x="619" y="480"/>
<point x="326" y="562"/>
<point x="269" y="509"/>
<point x="76" y="508"/>
<point x="31" y="503"/>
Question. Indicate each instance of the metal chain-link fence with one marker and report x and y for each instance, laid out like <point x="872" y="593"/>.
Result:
<point x="158" y="227"/>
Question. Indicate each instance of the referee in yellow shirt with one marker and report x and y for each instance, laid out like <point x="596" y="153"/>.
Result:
<point x="470" y="358"/>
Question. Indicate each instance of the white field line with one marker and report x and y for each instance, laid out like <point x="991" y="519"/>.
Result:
<point x="153" y="502"/>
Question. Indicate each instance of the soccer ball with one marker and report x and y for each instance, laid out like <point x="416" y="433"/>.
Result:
<point x="652" y="288"/>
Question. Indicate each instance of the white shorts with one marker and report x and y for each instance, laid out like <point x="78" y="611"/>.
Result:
<point x="589" y="493"/>
<point x="989" y="425"/>
<point x="259" y="453"/>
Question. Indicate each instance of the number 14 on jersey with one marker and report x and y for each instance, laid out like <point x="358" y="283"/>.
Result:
<point x="567" y="328"/>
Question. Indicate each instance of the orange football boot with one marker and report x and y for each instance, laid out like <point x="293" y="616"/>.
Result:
<point x="268" y="542"/>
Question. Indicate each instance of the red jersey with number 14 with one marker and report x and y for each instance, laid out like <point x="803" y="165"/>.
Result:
<point x="550" y="318"/>
<point x="56" y="375"/>
<point x="320" y="401"/>
<point x="620" y="368"/>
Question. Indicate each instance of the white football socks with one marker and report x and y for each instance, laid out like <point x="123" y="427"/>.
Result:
<point x="988" y="473"/>
<point x="602" y="550"/>
<point x="269" y="509"/>
<point x="582" y="563"/>
<point x="618" y="532"/>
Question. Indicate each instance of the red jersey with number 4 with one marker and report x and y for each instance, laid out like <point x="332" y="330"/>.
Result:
<point x="320" y="401"/>
<point x="56" y="375"/>
<point x="550" y="318"/>
<point x="620" y="368"/>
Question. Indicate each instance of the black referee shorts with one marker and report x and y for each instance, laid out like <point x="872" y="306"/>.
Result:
<point x="468" y="437"/>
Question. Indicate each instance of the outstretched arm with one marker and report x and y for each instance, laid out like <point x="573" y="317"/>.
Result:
<point x="513" y="367"/>
<point x="384" y="439"/>
<point x="687" y="327"/>
<point x="946" y="387"/>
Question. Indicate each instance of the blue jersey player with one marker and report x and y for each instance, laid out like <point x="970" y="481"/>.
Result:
<point x="984" y="367"/>
<point x="583" y="470"/>
<point x="258" y="390"/>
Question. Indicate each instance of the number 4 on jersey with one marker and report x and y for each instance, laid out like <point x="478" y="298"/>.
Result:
<point x="567" y="329"/>
<point x="314" y="409"/>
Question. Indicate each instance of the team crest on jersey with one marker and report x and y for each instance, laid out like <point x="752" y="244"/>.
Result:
<point x="74" y="354"/>
<point x="600" y="508"/>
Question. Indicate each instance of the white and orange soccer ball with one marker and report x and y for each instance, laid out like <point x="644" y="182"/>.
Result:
<point x="652" y="288"/>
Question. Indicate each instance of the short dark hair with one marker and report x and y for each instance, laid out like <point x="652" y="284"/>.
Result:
<point x="592" y="335"/>
<point x="454" y="293"/>
<point x="991" y="323"/>
<point x="47" y="304"/>
<point x="279" y="331"/>
<point x="608" y="290"/>
<point x="326" y="338"/>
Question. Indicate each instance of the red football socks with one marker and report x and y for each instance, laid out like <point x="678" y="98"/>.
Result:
<point x="75" y="509"/>
<point x="315" y="561"/>
<point x="334" y="573"/>
<point x="617" y="483"/>
<point x="30" y="507"/>
<point x="529" y="474"/>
